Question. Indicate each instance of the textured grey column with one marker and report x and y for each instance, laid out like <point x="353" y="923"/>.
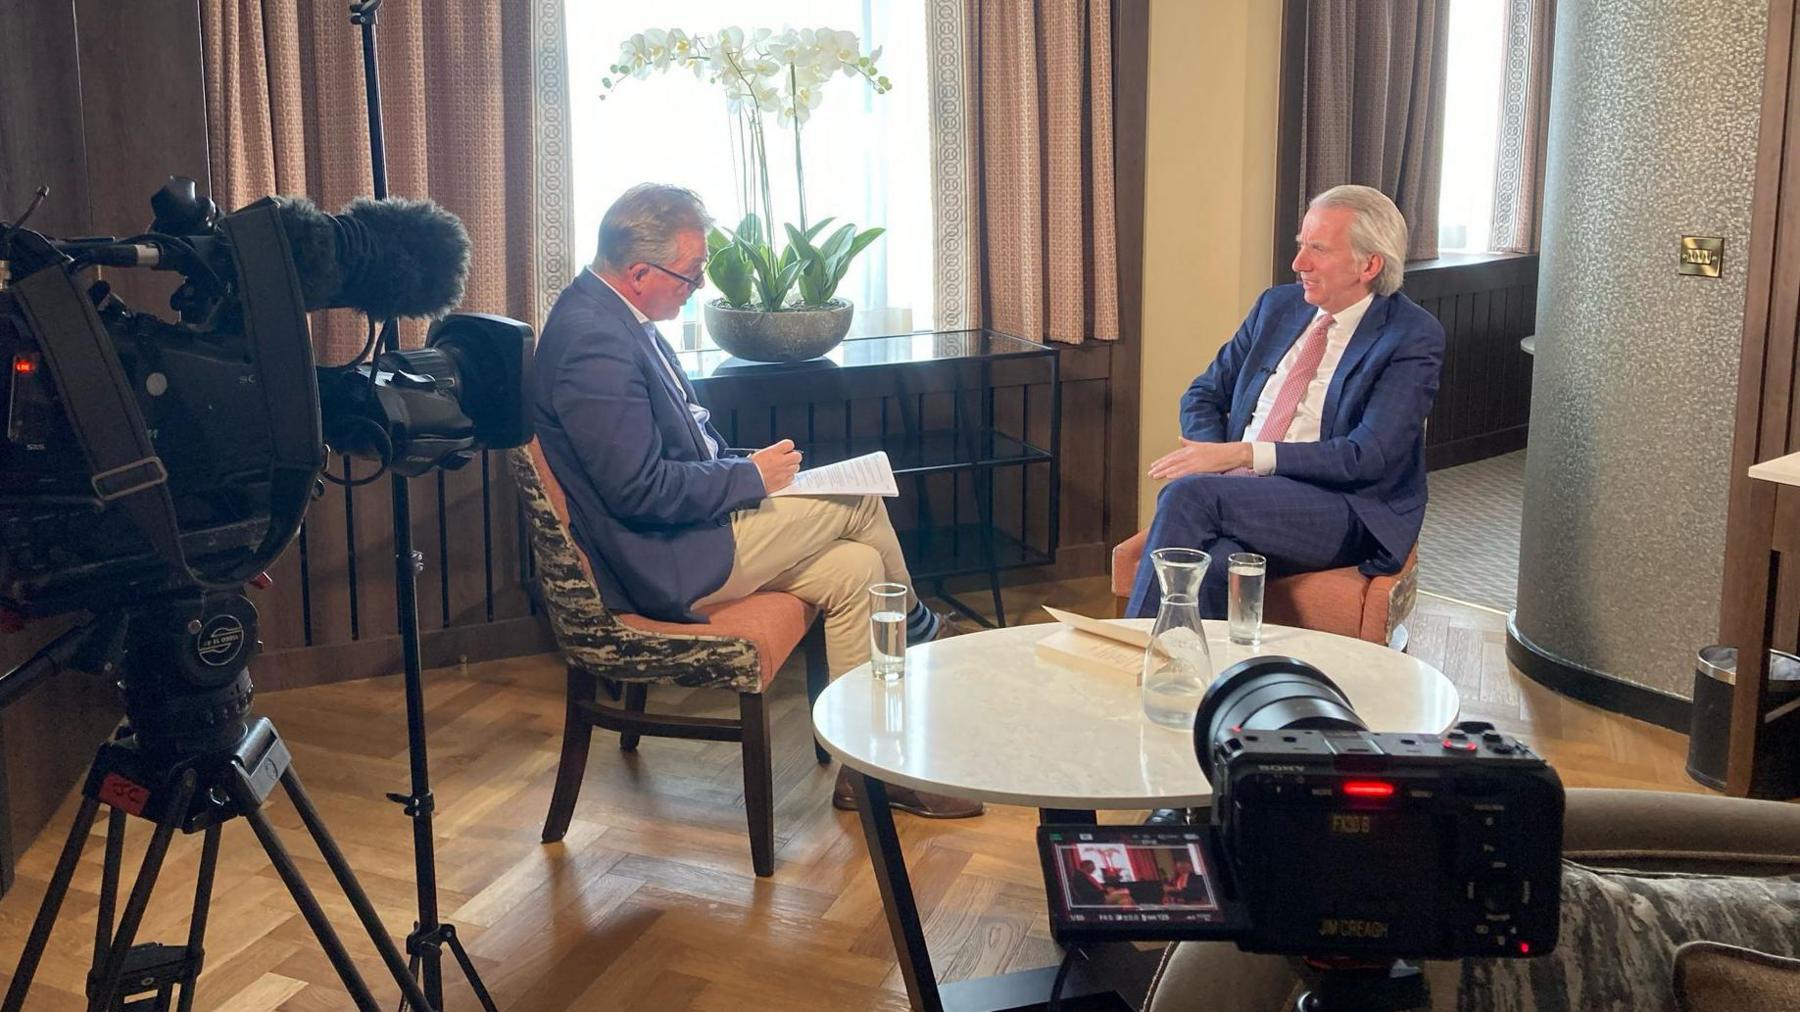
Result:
<point x="1653" y="125"/>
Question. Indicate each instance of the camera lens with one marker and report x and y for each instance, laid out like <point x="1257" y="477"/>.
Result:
<point x="1268" y="694"/>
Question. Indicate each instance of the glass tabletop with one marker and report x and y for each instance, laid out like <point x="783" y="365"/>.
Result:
<point x="863" y="352"/>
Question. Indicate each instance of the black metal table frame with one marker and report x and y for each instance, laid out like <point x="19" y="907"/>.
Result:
<point x="983" y="482"/>
<point x="1121" y="972"/>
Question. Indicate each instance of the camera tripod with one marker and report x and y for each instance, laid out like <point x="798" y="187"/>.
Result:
<point x="187" y="758"/>
<point x="1340" y="985"/>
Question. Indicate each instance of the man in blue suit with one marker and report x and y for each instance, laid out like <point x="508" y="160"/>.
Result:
<point x="1304" y="441"/>
<point x="671" y="520"/>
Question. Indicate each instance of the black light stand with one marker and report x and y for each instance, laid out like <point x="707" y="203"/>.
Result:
<point x="424" y="946"/>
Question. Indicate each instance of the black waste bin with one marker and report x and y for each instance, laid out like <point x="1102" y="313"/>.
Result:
<point x="1709" y="740"/>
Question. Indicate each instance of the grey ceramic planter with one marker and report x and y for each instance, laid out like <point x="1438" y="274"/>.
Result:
<point x="792" y="335"/>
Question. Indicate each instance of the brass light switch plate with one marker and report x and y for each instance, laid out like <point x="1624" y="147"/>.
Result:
<point x="1703" y="255"/>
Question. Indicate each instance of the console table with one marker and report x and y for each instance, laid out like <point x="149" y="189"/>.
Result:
<point x="928" y="400"/>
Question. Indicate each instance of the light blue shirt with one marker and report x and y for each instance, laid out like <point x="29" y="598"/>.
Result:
<point x="666" y="356"/>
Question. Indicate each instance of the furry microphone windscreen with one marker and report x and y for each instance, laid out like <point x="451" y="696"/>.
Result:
<point x="386" y="258"/>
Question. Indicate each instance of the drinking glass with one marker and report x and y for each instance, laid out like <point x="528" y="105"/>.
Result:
<point x="887" y="630"/>
<point x="1246" y="572"/>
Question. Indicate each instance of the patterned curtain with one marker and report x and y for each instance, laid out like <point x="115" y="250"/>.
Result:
<point x="1524" y="124"/>
<point x="1033" y="228"/>
<point x="462" y="119"/>
<point x="1372" y="109"/>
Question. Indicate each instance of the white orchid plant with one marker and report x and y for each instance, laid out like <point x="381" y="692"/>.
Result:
<point x="764" y="72"/>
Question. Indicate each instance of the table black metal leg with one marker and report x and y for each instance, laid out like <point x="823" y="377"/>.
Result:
<point x="904" y="925"/>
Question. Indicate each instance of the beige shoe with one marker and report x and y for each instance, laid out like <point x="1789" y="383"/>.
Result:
<point x="905" y="799"/>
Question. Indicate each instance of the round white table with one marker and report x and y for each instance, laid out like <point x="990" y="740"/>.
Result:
<point x="982" y="716"/>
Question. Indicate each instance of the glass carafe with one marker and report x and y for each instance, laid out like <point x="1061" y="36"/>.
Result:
<point x="1177" y="666"/>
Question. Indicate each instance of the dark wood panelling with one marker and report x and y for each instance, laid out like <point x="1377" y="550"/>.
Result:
<point x="60" y="126"/>
<point x="1123" y="392"/>
<point x="925" y="397"/>
<point x="1487" y="304"/>
<point x="1760" y="548"/>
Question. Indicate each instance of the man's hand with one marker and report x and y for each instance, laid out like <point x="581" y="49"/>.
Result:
<point x="1201" y="458"/>
<point x="778" y="464"/>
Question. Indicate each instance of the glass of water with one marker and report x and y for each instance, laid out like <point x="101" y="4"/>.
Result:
<point x="887" y="630"/>
<point x="1246" y="572"/>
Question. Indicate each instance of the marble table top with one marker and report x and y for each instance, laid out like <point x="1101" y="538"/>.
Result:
<point x="981" y="716"/>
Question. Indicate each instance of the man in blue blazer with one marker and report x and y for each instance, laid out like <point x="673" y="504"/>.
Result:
<point x="671" y="520"/>
<point x="1304" y="441"/>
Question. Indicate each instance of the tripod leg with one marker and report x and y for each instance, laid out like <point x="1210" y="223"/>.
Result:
<point x="53" y="897"/>
<point x="309" y="906"/>
<point x="105" y="982"/>
<point x="353" y="890"/>
<point x="203" y="883"/>
<point x="468" y="969"/>
<point x="109" y="883"/>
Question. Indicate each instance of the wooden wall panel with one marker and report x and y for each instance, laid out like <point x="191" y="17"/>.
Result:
<point x="1487" y="305"/>
<point x="1762" y="536"/>
<point x="76" y="93"/>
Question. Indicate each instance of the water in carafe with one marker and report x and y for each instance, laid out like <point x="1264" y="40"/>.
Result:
<point x="1177" y="665"/>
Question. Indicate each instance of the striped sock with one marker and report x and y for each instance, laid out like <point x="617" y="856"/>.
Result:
<point x="921" y="624"/>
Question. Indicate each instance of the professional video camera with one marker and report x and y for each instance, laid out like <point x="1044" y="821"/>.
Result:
<point x="1328" y="841"/>
<point x="150" y="468"/>
<point x="144" y="457"/>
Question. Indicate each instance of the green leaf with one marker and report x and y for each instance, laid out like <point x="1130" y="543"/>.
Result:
<point x="839" y="241"/>
<point x="730" y="272"/>
<point x="750" y="230"/>
<point x="716" y="240"/>
<point x="861" y="243"/>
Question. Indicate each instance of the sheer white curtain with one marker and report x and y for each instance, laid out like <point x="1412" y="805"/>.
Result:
<point x="867" y="156"/>
<point x="1475" y="88"/>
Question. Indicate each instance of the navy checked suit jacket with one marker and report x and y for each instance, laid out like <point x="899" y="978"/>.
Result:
<point x="1372" y="430"/>
<point x="647" y="504"/>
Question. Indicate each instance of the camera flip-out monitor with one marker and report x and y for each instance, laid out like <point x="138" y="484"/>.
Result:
<point x="1136" y="882"/>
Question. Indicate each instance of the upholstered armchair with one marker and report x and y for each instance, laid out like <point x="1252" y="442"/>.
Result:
<point x="739" y="648"/>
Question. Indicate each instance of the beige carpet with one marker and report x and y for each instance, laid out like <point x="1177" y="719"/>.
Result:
<point x="1469" y="548"/>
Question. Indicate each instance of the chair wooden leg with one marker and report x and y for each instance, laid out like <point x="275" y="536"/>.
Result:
<point x="818" y="674"/>
<point x="577" y="731"/>
<point x="759" y="782"/>
<point x="635" y="695"/>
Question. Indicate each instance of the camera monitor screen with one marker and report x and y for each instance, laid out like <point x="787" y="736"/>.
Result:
<point x="1122" y="882"/>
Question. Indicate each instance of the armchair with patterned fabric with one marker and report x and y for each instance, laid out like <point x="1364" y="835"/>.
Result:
<point x="739" y="648"/>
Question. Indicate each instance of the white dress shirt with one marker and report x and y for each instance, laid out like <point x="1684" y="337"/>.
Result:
<point x="1305" y="426"/>
<point x="701" y="415"/>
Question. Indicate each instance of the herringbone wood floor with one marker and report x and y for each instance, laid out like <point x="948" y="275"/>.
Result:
<point x="650" y="902"/>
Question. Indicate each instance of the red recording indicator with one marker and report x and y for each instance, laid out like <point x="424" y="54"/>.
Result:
<point x="24" y="366"/>
<point x="1368" y="788"/>
<point x="1524" y="948"/>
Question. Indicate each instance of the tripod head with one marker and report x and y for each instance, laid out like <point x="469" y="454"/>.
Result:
<point x="181" y="665"/>
<point x="1351" y="985"/>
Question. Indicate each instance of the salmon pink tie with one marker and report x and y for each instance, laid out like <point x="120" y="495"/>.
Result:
<point x="1293" y="388"/>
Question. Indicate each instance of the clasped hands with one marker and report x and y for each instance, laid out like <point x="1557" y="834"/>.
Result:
<point x="1195" y="457"/>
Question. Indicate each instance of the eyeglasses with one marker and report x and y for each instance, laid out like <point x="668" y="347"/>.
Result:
<point x="696" y="283"/>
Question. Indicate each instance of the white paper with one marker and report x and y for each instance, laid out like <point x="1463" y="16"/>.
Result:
<point x="1139" y="638"/>
<point x="869" y="474"/>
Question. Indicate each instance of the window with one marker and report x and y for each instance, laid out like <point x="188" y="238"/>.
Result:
<point x="866" y="155"/>
<point x="1474" y="85"/>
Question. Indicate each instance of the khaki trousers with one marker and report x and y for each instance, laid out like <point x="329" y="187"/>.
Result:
<point x="825" y="550"/>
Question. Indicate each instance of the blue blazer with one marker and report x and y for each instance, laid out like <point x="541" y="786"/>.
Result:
<point x="1372" y="431"/>
<point x="647" y="504"/>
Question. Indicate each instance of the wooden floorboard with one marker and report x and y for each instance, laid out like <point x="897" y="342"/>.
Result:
<point x="650" y="902"/>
